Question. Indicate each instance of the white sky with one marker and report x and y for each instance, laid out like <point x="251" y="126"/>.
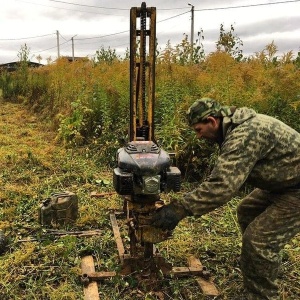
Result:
<point x="102" y="23"/>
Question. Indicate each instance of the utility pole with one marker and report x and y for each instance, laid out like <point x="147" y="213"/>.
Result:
<point x="192" y="23"/>
<point x="57" y="36"/>
<point x="72" y="38"/>
<point x="192" y="30"/>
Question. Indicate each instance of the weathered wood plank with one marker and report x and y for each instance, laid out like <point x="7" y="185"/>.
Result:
<point x="91" y="289"/>
<point x="117" y="236"/>
<point x="207" y="286"/>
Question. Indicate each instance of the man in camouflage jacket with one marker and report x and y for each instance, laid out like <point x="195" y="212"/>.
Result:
<point x="265" y="152"/>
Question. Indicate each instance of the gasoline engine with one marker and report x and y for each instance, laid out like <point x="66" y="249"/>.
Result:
<point x="144" y="170"/>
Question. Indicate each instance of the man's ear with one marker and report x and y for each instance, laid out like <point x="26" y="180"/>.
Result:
<point x="214" y="121"/>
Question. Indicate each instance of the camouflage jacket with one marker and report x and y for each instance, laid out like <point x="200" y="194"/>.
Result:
<point x="256" y="148"/>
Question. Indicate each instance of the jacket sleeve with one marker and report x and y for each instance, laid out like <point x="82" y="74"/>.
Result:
<point x="241" y="150"/>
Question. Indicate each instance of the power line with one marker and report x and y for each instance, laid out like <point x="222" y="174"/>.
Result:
<point x="83" y="11"/>
<point x="175" y="8"/>
<point x="47" y="49"/>
<point x="63" y="37"/>
<point x="205" y="9"/>
<point x="90" y="6"/>
<point x="102" y="36"/>
<point x="250" y="5"/>
<point x="116" y="33"/>
<point x="85" y="5"/>
<point x="110" y="8"/>
<point x="26" y="38"/>
<point x="127" y="31"/>
<point x="173" y="17"/>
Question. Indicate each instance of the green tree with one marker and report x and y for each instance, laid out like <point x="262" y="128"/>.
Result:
<point x="23" y="54"/>
<point x="230" y="43"/>
<point x="106" y="55"/>
<point x="22" y="72"/>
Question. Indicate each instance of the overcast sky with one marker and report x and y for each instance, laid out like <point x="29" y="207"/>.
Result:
<point x="41" y="24"/>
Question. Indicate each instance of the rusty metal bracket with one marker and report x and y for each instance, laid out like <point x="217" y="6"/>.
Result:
<point x="190" y="271"/>
<point x="87" y="278"/>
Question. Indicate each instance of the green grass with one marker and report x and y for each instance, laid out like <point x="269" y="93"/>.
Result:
<point x="38" y="265"/>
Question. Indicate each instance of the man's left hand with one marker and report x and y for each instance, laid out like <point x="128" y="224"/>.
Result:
<point x="168" y="216"/>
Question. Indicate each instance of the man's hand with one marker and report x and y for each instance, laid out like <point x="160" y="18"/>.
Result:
<point x="168" y="216"/>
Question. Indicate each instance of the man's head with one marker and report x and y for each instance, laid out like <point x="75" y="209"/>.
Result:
<point x="204" y="116"/>
<point x="205" y="107"/>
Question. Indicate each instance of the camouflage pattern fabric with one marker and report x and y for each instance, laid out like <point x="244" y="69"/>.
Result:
<point x="266" y="153"/>
<point x="205" y="107"/>
<point x="3" y="242"/>
<point x="257" y="148"/>
<point x="268" y="221"/>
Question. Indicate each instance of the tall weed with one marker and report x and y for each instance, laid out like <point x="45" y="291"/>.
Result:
<point x="88" y="101"/>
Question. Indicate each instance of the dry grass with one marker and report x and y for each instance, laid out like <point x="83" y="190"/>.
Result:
<point x="40" y="266"/>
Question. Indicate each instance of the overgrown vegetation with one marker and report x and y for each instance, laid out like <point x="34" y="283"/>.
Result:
<point x="61" y="130"/>
<point x="87" y="101"/>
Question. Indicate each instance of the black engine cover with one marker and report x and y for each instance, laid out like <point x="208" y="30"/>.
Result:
<point x="143" y="158"/>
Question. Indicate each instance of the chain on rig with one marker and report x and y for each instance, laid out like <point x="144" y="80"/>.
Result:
<point x="142" y="73"/>
<point x="144" y="171"/>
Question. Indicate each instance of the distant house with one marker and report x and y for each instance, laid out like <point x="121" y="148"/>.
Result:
<point x="13" y="66"/>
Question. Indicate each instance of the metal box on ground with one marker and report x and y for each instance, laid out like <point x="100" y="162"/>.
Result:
<point x="59" y="209"/>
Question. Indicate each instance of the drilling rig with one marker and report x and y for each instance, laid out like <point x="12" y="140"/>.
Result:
<point x="143" y="172"/>
<point x="144" y="169"/>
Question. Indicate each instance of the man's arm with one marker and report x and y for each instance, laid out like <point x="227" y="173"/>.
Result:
<point x="239" y="154"/>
